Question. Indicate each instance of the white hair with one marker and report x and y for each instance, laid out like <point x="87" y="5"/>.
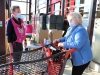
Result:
<point x="76" y="17"/>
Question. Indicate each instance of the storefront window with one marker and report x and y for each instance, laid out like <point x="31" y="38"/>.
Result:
<point x="96" y="35"/>
<point x="25" y="17"/>
<point x="21" y="0"/>
<point x="41" y="6"/>
<point x="24" y="6"/>
<point x="33" y="6"/>
<point x="57" y="8"/>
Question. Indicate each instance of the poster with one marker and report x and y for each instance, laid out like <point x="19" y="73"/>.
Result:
<point x="1" y="24"/>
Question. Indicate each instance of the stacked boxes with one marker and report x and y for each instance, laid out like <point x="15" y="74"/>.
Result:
<point x="43" y="34"/>
<point x="43" y="21"/>
<point x="40" y="22"/>
<point x="59" y="22"/>
<point x="48" y="26"/>
<point x="51" y="21"/>
<point x="55" y="34"/>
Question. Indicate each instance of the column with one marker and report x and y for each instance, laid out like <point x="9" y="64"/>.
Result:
<point x="2" y="27"/>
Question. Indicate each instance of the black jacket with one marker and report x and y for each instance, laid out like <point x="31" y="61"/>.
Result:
<point x="10" y="32"/>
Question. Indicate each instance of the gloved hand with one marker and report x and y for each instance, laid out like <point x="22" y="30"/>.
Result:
<point x="60" y="44"/>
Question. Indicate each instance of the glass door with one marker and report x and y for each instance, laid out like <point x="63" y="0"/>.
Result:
<point x="96" y="36"/>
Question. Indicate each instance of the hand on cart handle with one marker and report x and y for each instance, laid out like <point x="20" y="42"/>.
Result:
<point x="56" y="45"/>
<point x="59" y="45"/>
<point x="56" y="41"/>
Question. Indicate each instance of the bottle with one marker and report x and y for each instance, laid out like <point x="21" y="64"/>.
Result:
<point x="45" y="41"/>
<point x="36" y="38"/>
<point x="31" y="41"/>
<point x="48" y="42"/>
<point x="34" y="41"/>
<point x="32" y="36"/>
<point x="25" y="43"/>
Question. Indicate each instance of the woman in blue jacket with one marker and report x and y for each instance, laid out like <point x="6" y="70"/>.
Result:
<point x="77" y="37"/>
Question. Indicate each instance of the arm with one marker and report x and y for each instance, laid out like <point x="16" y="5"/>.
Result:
<point x="78" y="42"/>
<point x="9" y="35"/>
<point x="62" y="39"/>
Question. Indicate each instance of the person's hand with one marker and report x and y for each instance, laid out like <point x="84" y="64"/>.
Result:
<point x="60" y="44"/>
<point x="56" y="40"/>
<point x="10" y="48"/>
<point x="25" y="43"/>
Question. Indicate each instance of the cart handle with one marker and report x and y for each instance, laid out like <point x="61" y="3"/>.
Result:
<point x="46" y="50"/>
<point x="10" y="70"/>
<point x="69" y="51"/>
<point x="10" y="57"/>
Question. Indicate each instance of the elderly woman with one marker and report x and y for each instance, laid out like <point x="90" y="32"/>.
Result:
<point x="77" y="37"/>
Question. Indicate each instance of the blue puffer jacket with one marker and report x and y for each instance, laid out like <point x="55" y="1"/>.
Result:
<point x="78" y="38"/>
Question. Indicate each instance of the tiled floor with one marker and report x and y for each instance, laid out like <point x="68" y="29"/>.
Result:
<point x="68" y="69"/>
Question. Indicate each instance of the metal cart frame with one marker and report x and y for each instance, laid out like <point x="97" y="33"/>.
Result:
<point x="6" y="58"/>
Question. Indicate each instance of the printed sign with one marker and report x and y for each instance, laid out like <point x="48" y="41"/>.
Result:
<point x="21" y="30"/>
<point x="1" y="24"/>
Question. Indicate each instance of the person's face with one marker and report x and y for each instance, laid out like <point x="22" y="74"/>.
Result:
<point x="17" y="10"/>
<point x="70" y="19"/>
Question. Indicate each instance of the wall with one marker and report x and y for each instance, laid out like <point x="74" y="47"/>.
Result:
<point x="2" y="29"/>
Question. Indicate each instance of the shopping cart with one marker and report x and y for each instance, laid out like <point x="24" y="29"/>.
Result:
<point x="47" y="60"/>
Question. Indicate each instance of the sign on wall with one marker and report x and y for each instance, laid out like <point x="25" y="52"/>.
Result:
<point x="1" y="24"/>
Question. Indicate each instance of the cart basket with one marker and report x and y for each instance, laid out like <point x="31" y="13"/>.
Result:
<point x="34" y="62"/>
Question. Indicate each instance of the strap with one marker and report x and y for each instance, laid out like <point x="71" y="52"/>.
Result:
<point x="21" y="20"/>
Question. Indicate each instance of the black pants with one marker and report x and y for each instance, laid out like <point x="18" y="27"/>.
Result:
<point x="78" y="70"/>
<point x="17" y="47"/>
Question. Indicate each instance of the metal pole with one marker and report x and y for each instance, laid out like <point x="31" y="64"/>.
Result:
<point x="35" y="5"/>
<point x="26" y="9"/>
<point x="63" y="5"/>
<point x="47" y="6"/>
<point x="91" y="19"/>
<point x="63" y="67"/>
<point x="30" y="2"/>
<point x="9" y="5"/>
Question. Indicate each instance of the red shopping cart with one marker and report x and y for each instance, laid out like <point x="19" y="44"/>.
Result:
<point x="57" y="64"/>
<point x="47" y="60"/>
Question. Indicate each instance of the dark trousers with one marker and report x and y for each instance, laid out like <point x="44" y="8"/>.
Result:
<point x="78" y="70"/>
<point x="17" y="47"/>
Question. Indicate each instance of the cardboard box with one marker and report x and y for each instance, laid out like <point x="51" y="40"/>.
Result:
<point x="55" y="34"/>
<point x="49" y="35"/>
<point x="42" y="34"/>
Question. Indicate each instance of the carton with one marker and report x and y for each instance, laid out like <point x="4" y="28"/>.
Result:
<point x="42" y="34"/>
<point x="50" y="21"/>
<point x="55" y="34"/>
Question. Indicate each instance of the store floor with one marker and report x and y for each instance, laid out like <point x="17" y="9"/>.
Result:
<point x="68" y="70"/>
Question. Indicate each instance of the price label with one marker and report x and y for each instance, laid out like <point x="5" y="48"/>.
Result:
<point x="1" y="24"/>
